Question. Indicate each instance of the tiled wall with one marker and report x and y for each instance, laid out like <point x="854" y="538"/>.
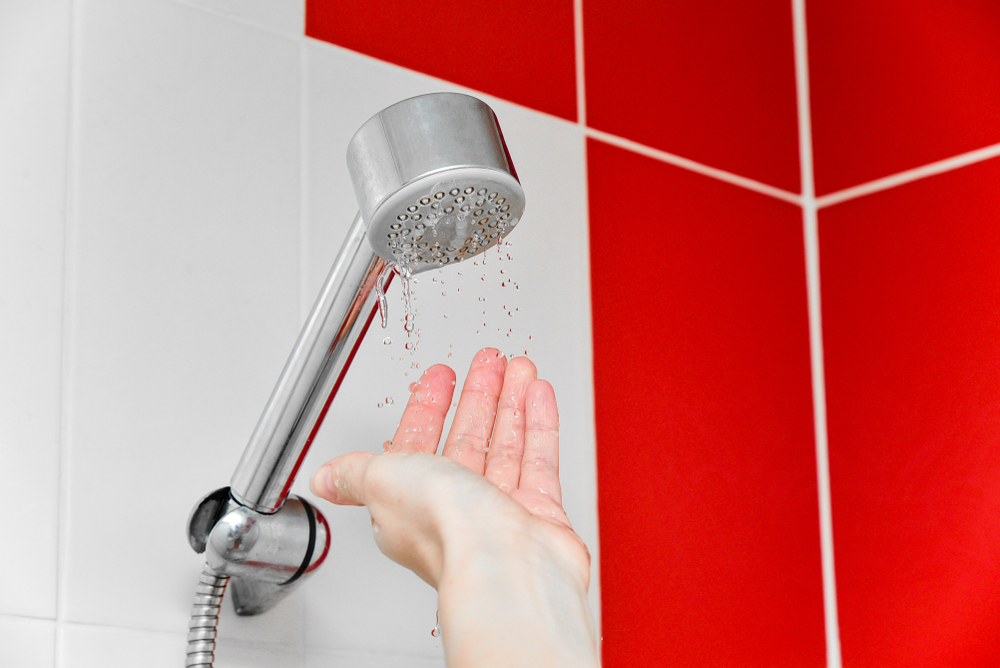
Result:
<point x="778" y="220"/>
<point x="174" y="191"/>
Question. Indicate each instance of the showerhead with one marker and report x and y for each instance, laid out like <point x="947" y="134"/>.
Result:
<point x="434" y="181"/>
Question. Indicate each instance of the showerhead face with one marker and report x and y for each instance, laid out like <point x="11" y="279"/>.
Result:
<point x="434" y="181"/>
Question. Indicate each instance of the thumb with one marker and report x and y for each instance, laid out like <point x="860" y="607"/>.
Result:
<point x="342" y="480"/>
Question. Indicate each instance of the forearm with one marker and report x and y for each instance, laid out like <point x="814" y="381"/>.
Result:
<point x="514" y="604"/>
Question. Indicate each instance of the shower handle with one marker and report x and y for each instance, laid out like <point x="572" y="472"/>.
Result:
<point x="312" y="375"/>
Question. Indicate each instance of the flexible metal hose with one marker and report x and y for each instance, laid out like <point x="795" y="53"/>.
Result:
<point x="205" y="617"/>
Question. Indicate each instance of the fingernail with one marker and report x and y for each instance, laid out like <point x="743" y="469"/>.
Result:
<point x="321" y="483"/>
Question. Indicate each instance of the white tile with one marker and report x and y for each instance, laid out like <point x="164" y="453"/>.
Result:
<point x="28" y="643"/>
<point x="34" y="98"/>
<point x="549" y="264"/>
<point x="185" y="298"/>
<point x="368" y="660"/>
<point x="360" y="601"/>
<point x="109" y="647"/>
<point x="286" y="16"/>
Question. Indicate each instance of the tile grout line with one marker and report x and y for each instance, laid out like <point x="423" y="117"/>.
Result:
<point x="303" y="186"/>
<point x="68" y="326"/>
<point x="581" y="102"/>
<point x="830" y="199"/>
<point x="303" y="245"/>
<point x="581" y="97"/>
<point x="908" y="176"/>
<point x="810" y="224"/>
<point x="691" y="165"/>
<point x="235" y="18"/>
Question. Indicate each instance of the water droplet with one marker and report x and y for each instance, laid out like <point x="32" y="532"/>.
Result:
<point x="383" y="307"/>
<point x="389" y="401"/>
<point x="386" y="341"/>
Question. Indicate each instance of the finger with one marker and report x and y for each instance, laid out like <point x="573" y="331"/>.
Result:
<point x="342" y="480"/>
<point x="503" y="461"/>
<point x="420" y="427"/>
<point x="477" y="410"/>
<point x="540" y="463"/>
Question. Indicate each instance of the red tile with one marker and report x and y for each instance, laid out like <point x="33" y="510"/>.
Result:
<point x="514" y="49"/>
<point x="911" y="308"/>
<point x="708" y="506"/>
<point x="896" y="84"/>
<point x="713" y="81"/>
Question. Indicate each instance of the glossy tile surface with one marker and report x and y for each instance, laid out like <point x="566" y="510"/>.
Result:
<point x="912" y="337"/>
<point x="34" y="117"/>
<point x="185" y="294"/>
<point x="284" y="16"/>
<point x="520" y="51"/>
<point x="898" y="84"/>
<point x="368" y="660"/>
<point x="27" y="643"/>
<point x="710" y="81"/>
<point x="706" y="458"/>
<point x="85" y="646"/>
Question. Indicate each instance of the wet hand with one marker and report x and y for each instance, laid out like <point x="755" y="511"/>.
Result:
<point x="494" y="488"/>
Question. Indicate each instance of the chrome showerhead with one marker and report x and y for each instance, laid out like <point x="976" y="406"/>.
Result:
<point x="434" y="181"/>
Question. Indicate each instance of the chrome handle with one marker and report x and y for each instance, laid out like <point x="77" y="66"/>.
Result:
<point x="312" y="375"/>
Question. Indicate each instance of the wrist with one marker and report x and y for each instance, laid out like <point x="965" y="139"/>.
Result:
<point x="520" y="599"/>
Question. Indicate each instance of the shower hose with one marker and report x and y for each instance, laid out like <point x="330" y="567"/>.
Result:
<point x="205" y="617"/>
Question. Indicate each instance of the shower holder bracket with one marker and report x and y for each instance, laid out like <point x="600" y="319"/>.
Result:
<point x="265" y="555"/>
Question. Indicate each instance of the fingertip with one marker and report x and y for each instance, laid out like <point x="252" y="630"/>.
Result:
<point x="320" y="483"/>
<point x="443" y="370"/>
<point x="488" y="355"/>
<point x="541" y="398"/>
<point x="522" y="367"/>
<point x="341" y="480"/>
<point x="540" y="388"/>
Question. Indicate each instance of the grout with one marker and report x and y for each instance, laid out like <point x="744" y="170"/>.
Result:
<point x="239" y="19"/>
<point x="303" y="264"/>
<point x="303" y="180"/>
<point x="686" y="163"/>
<point x="810" y="225"/>
<point x="68" y="324"/>
<point x="596" y="611"/>
<point x="909" y="176"/>
<point x="18" y="618"/>
<point x="693" y="166"/>
<point x="581" y="97"/>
